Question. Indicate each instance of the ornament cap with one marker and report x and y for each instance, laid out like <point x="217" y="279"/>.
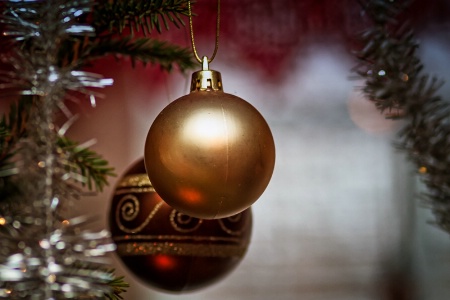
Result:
<point x="206" y="79"/>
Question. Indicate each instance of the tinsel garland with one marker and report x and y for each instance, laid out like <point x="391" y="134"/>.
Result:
<point x="43" y="254"/>
<point x="396" y="83"/>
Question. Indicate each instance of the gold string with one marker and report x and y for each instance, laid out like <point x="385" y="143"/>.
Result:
<point x="192" y="33"/>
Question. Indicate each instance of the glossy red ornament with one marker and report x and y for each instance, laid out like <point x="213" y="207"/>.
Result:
<point x="169" y="250"/>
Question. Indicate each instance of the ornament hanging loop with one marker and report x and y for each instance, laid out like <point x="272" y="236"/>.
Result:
<point x="191" y="29"/>
<point x="205" y="63"/>
<point x="206" y="79"/>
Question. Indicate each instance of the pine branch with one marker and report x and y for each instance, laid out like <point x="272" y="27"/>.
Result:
<point x="139" y="15"/>
<point x="6" y="166"/>
<point x="82" y="161"/>
<point x="118" y="286"/>
<point x="109" y="17"/>
<point x="389" y="66"/>
<point x="394" y="81"/>
<point x="145" y="50"/>
<point x="12" y="129"/>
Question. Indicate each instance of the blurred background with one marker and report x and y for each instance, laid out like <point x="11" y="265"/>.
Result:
<point x="341" y="218"/>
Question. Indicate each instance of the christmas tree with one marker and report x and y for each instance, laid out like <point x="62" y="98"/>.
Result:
<point x="46" y="254"/>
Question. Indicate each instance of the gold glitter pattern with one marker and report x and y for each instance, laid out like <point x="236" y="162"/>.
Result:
<point x="233" y="219"/>
<point x="134" y="190"/>
<point x="177" y="238"/>
<point x="128" y="209"/>
<point x="181" y="249"/>
<point x="184" y="223"/>
<point x="135" y="180"/>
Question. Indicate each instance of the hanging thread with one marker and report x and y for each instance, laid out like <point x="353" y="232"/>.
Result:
<point x="216" y="47"/>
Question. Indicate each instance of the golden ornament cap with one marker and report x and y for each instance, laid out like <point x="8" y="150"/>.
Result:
<point x="206" y="79"/>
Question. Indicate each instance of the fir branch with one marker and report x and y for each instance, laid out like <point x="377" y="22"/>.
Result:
<point x="394" y="81"/>
<point x="6" y="167"/>
<point x="39" y="27"/>
<point x="145" y="50"/>
<point x="139" y="15"/>
<point x="87" y="163"/>
<point x="109" y="17"/>
<point x="81" y="161"/>
<point x="118" y="286"/>
<point x="12" y="129"/>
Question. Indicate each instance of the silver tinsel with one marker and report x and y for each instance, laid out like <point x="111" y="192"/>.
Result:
<point x="43" y="255"/>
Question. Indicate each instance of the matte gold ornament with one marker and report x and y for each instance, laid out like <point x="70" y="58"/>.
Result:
<point x="169" y="250"/>
<point x="209" y="154"/>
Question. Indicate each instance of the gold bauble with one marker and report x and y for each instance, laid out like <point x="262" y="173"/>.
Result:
<point x="209" y="154"/>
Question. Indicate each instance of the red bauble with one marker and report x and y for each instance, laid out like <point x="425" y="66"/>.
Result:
<point x="167" y="249"/>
